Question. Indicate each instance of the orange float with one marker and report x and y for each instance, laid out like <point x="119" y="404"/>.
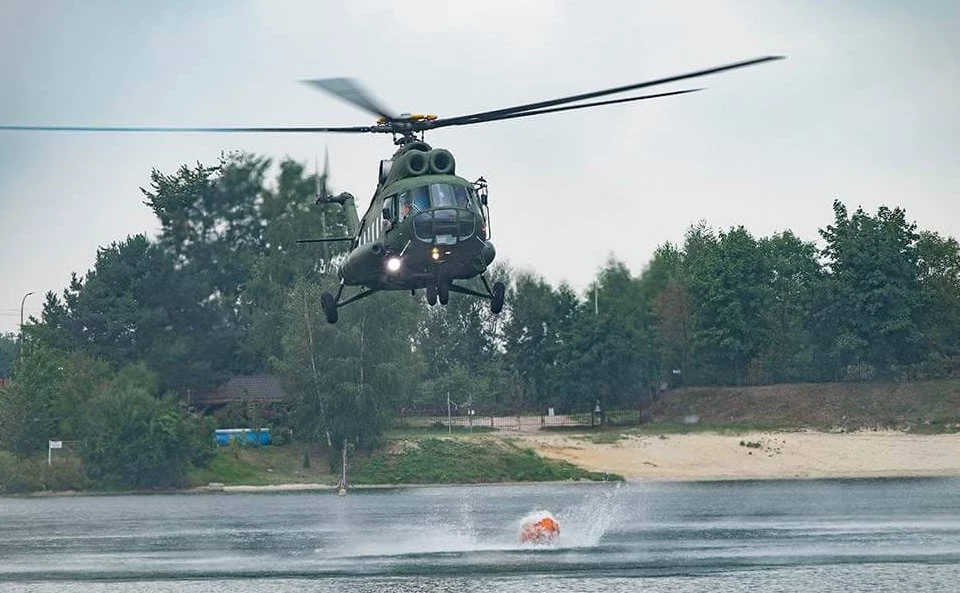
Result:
<point x="543" y="529"/>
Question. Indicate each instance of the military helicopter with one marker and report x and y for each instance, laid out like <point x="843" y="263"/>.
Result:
<point x="426" y="227"/>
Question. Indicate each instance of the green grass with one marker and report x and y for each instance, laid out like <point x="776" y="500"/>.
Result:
<point x="401" y="431"/>
<point x="463" y="461"/>
<point x="930" y="406"/>
<point x="262" y="466"/>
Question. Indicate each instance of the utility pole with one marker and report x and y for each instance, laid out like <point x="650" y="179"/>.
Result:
<point x="22" y="301"/>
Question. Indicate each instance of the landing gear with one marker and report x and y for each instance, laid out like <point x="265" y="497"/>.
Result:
<point x="438" y="292"/>
<point x="329" y="306"/>
<point x="443" y="292"/>
<point x="495" y="294"/>
<point x="496" y="297"/>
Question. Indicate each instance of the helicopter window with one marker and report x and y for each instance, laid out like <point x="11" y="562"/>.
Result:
<point x="436" y="195"/>
<point x="462" y="197"/>
<point x="405" y="200"/>
<point x="421" y="199"/>
<point x="442" y="195"/>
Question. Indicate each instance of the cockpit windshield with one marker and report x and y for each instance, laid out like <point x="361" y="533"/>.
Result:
<point x="435" y="195"/>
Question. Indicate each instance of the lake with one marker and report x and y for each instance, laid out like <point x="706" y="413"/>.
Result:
<point x="817" y="535"/>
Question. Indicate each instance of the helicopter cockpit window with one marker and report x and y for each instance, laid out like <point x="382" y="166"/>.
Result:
<point x="442" y="196"/>
<point x="435" y="196"/>
<point x="462" y="197"/>
<point x="421" y="199"/>
<point x="405" y="202"/>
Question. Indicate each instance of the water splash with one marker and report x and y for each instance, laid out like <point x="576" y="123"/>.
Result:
<point x="586" y="523"/>
<point x="458" y="528"/>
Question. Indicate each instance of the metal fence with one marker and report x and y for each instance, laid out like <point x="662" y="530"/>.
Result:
<point x="519" y="421"/>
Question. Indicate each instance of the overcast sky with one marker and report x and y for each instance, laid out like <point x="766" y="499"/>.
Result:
<point x="865" y="108"/>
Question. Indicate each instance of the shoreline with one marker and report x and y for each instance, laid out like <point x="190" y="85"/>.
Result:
<point x="331" y="490"/>
<point x="761" y="455"/>
<point x="688" y="457"/>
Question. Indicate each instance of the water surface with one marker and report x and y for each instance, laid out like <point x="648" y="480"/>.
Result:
<point x="850" y="535"/>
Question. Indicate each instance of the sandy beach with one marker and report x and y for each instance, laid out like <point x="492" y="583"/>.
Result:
<point x="772" y="455"/>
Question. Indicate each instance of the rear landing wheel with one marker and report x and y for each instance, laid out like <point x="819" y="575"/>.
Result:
<point x="431" y="295"/>
<point x="443" y="293"/>
<point x="496" y="302"/>
<point x="329" y="306"/>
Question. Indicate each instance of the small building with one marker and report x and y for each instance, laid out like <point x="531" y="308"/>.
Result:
<point x="252" y="388"/>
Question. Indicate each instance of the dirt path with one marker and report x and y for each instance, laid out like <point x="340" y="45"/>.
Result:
<point x="770" y="455"/>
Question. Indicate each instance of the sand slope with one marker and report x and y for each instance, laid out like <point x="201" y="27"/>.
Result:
<point x="708" y="456"/>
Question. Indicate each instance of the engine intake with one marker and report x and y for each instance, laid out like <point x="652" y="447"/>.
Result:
<point x="441" y="161"/>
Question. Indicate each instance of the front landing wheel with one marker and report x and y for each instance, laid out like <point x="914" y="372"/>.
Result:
<point x="443" y="293"/>
<point x="329" y="306"/>
<point x="496" y="302"/>
<point x="431" y="295"/>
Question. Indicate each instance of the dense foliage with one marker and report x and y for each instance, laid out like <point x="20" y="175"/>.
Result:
<point x="224" y="289"/>
<point x="112" y="420"/>
<point x="8" y="353"/>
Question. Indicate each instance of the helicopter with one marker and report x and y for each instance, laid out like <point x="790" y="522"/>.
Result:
<point x="426" y="227"/>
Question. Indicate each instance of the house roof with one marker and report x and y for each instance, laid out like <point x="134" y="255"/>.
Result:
<point x="264" y="388"/>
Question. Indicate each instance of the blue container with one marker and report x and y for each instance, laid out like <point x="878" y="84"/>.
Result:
<point x="246" y="436"/>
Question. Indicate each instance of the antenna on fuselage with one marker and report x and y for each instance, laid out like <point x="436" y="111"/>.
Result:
<point x="323" y="193"/>
<point x="322" y="197"/>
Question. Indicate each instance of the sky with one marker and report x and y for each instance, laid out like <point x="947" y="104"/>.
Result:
<point x="864" y="109"/>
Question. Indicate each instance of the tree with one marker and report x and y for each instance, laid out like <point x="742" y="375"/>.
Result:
<point x="135" y="440"/>
<point x="939" y="268"/>
<point x="611" y="358"/>
<point x="795" y="278"/>
<point x="664" y="283"/>
<point x="135" y="304"/>
<point x="729" y="282"/>
<point x="345" y="378"/>
<point x="8" y="354"/>
<point x="235" y="234"/>
<point x="533" y="333"/>
<point x="673" y="308"/>
<point x="43" y="401"/>
<point x="874" y="298"/>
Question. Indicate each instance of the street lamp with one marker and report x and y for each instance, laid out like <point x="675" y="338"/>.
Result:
<point x="22" y="301"/>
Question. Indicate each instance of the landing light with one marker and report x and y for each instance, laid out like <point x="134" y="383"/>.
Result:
<point x="435" y="253"/>
<point x="393" y="264"/>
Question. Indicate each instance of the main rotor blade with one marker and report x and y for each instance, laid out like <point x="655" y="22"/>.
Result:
<point x="565" y="108"/>
<point x="269" y="130"/>
<point x="350" y="91"/>
<point x="490" y="115"/>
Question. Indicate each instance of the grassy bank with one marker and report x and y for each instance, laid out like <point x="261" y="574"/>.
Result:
<point x="32" y="474"/>
<point x="919" y="406"/>
<point x="462" y="461"/>
<point x="264" y="466"/>
<point x="408" y="460"/>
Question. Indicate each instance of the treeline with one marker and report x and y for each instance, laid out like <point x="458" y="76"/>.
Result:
<point x="224" y="289"/>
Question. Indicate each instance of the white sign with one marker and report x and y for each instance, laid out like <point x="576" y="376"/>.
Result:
<point x="56" y="444"/>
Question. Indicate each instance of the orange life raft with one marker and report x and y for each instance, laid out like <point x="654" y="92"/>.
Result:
<point x="541" y="530"/>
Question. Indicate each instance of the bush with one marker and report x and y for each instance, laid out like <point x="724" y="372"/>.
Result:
<point x="133" y="440"/>
<point x="14" y="477"/>
<point x="19" y="475"/>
